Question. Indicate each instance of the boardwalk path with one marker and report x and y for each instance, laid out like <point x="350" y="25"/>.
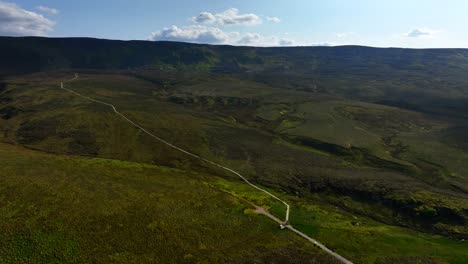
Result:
<point x="259" y="210"/>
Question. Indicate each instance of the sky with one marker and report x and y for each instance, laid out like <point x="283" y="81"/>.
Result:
<point x="378" y="23"/>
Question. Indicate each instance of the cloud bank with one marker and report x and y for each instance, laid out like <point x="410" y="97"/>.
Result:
<point x="194" y="33"/>
<point x="15" y="21"/>
<point x="228" y="17"/>
<point x="47" y="10"/>
<point x="255" y="39"/>
<point x="209" y="28"/>
<point x="418" y="33"/>
<point x="273" y="19"/>
<point x="214" y="35"/>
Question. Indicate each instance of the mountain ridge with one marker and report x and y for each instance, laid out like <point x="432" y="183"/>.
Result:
<point x="32" y="54"/>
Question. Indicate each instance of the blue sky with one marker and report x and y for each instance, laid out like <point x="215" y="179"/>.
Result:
<point x="397" y="23"/>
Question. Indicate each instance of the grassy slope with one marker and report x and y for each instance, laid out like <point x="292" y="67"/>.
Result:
<point x="212" y="121"/>
<point x="360" y="239"/>
<point x="66" y="209"/>
<point x="78" y="126"/>
<point x="378" y="132"/>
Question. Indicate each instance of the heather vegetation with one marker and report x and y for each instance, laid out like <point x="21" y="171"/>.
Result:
<point x="368" y="145"/>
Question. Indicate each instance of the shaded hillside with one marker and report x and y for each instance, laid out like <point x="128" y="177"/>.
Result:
<point x="426" y="80"/>
<point x="29" y="54"/>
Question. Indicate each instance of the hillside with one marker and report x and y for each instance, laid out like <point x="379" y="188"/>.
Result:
<point x="369" y="145"/>
<point x="424" y="80"/>
<point x="81" y="210"/>
<point x="69" y="209"/>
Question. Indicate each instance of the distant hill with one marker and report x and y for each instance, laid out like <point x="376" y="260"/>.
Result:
<point x="31" y="54"/>
<point x="408" y="78"/>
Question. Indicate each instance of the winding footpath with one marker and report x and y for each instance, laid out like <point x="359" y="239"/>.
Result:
<point x="259" y="210"/>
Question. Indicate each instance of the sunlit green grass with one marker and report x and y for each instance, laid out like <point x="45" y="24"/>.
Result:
<point x="366" y="241"/>
<point x="66" y="209"/>
<point x="359" y="238"/>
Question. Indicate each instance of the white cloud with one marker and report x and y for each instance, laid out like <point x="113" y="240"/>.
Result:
<point x="421" y="32"/>
<point x="228" y="17"/>
<point x="286" y="42"/>
<point x="255" y="39"/>
<point x="273" y="19"/>
<point x="15" y="21"/>
<point x="251" y="39"/>
<point x="48" y="10"/>
<point x="194" y="33"/>
<point x="204" y="17"/>
<point x="324" y="44"/>
<point x="344" y="34"/>
<point x="214" y="35"/>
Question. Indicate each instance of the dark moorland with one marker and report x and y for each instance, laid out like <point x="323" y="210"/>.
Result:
<point x="369" y="145"/>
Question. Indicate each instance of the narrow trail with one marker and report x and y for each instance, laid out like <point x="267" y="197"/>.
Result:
<point x="259" y="210"/>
